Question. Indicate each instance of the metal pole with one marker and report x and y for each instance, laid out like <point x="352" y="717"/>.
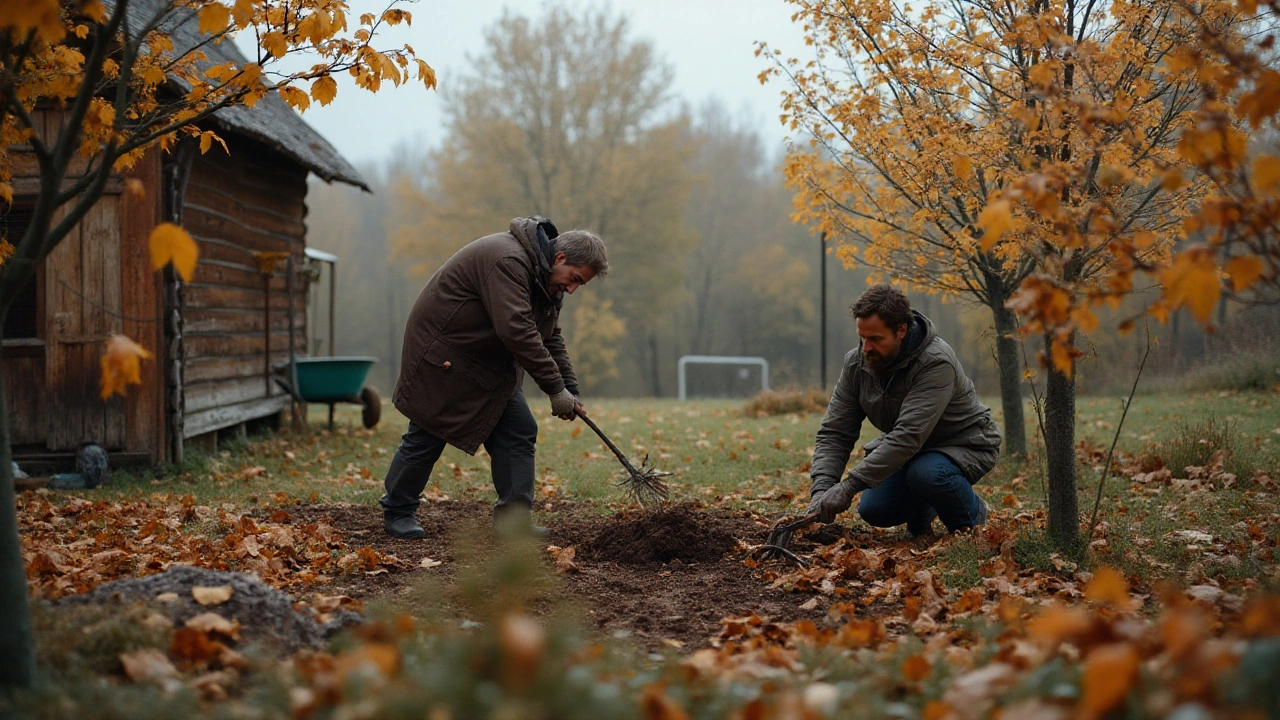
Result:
<point x="822" y="304"/>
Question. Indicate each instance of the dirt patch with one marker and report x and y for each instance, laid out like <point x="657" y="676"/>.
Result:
<point x="266" y="615"/>
<point x="675" y="605"/>
<point x="672" y="532"/>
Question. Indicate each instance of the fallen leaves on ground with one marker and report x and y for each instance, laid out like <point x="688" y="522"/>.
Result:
<point x="70" y="544"/>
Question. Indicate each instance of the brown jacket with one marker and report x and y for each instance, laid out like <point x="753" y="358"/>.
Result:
<point x="923" y="401"/>
<point x="484" y="318"/>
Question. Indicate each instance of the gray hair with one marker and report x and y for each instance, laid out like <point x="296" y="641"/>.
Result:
<point x="583" y="248"/>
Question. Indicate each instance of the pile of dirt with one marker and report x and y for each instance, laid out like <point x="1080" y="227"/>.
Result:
<point x="266" y="615"/>
<point x="672" y="532"/>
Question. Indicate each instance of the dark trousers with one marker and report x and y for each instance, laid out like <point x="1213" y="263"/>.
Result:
<point x="510" y="447"/>
<point x="929" y="482"/>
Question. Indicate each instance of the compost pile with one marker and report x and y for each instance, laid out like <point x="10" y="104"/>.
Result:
<point x="661" y="535"/>
<point x="266" y="615"/>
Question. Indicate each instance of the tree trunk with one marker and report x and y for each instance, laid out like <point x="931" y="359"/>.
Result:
<point x="1009" y="359"/>
<point x="1059" y="440"/>
<point x="17" y="649"/>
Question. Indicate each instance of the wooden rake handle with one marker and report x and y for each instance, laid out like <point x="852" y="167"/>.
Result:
<point x="621" y="458"/>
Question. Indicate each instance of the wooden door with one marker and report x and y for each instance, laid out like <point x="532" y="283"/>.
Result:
<point x="84" y="302"/>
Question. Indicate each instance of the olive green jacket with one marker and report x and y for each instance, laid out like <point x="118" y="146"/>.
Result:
<point x="922" y="401"/>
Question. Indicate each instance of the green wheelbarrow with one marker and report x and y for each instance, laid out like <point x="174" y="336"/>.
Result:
<point x="333" y="380"/>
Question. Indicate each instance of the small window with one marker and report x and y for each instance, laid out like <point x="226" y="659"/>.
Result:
<point x="23" y="320"/>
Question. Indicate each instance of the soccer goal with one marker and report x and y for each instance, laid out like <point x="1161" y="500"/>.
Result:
<point x="742" y="362"/>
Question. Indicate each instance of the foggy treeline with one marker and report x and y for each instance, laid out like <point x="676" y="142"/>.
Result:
<point x="568" y="116"/>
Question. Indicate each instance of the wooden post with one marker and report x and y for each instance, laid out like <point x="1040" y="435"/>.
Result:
<point x="266" y="330"/>
<point x="176" y="173"/>
<point x="293" y="363"/>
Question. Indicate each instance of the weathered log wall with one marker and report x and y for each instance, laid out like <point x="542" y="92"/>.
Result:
<point x="238" y="204"/>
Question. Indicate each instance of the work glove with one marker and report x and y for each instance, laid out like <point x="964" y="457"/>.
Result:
<point x="820" y="487"/>
<point x="563" y="404"/>
<point x="838" y="499"/>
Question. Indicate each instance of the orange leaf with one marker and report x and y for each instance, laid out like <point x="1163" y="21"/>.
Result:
<point x="1109" y="673"/>
<point x="1062" y="353"/>
<point x="170" y="243"/>
<point x="275" y="44"/>
<point x="1182" y="630"/>
<point x="1058" y="623"/>
<point x="523" y="642"/>
<point x="1266" y="174"/>
<point x="214" y="18"/>
<point x="324" y="90"/>
<point x="135" y="188"/>
<point x="935" y="710"/>
<point x="295" y="97"/>
<point x="916" y="668"/>
<point x="1192" y="280"/>
<point x="1244" y="271"/>
<point x="961" y="166"/>
<point x="1172" y="179"/>
<point x="194" y="646"/>
<point x="120" y="365"/>
<point x="1108" y="586"/>
<point x="995" y="219"/>
<point x="655" y="704"/>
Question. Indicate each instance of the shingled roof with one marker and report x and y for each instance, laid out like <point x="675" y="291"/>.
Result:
<point x="270" y="121"/>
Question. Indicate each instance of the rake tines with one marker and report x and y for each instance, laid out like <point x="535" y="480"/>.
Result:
<point x="644" y="484"/>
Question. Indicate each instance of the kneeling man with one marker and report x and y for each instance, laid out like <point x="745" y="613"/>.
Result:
<point x="937" y="438"/>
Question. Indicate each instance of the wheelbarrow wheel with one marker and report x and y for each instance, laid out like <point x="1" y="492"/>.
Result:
<point x="372" y="403"/>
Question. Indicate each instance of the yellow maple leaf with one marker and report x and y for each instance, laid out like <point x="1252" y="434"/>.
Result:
<point x="961" y="166"/>
<point x="6" y="251"/>
<point x="243" y="12"/>
<point x="295" y="97"/>
<point x="170" y="243"/>
<point x="214" y="18"/>
<point x="1192" y="280"/>
<point x="1109" y="673"/>
<point x="121" y="358"/>
<point x="1244" y="271"/>
<point x="324" y="90"/>
<point x="1266" y="174"/>
<point x="275" y="44"/>
<point x="995" y="219"/>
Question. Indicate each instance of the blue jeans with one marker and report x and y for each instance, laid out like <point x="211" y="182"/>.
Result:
<point x="929" y="482"/>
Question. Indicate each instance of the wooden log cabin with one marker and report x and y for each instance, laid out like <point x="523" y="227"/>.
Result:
<point x="214" y="339"/>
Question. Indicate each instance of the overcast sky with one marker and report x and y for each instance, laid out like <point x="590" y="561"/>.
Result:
<point x="710" y="44"/>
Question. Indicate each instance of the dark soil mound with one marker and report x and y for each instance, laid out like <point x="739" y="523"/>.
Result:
<point x="675" y="532"/>
<point x="266" y="615"/>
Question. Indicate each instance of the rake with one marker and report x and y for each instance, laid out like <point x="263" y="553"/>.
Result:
<point x="780" y="537"/>
<point x="644" y="484"/>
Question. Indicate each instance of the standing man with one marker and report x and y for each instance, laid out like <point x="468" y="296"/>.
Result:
<point x="487" y="316"/>
<point x="937" y="438"/>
